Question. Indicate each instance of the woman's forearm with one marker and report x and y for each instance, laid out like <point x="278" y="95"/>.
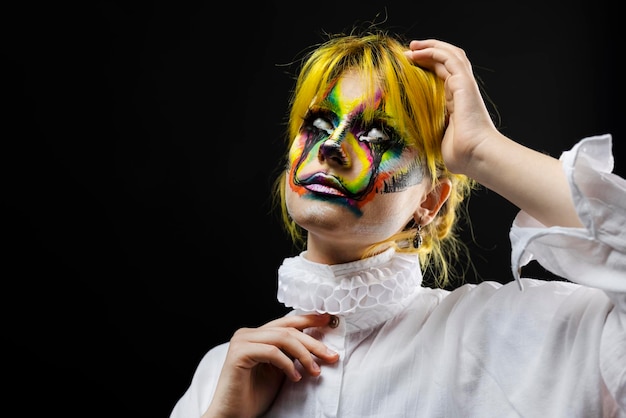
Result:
<point x="532" y="181"/>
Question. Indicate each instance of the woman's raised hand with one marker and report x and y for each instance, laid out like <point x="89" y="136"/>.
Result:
<point x="469" y="122"/>
<point x="473" y="146"/>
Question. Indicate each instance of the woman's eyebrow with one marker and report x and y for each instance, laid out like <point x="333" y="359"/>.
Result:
<point x="327" y="105"/>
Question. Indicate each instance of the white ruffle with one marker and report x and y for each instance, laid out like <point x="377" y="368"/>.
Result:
<point x="385" y="279"/>
<point x="592" y="255"/>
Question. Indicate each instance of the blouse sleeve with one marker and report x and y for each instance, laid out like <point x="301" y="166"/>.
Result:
<point x="199" y="394"/>
<point x="594" y="255"/>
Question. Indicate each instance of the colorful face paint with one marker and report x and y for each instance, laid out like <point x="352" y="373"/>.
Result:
<point x="339" y="156"/>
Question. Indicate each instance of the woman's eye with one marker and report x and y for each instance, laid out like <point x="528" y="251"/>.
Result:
<point x="374" y="136"/>
<point x="323" y="125"/>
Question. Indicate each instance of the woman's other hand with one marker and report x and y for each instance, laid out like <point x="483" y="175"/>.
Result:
<point x="259" y="359"/>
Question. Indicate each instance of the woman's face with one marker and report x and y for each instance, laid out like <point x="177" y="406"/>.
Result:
<point x="349" y="181"/>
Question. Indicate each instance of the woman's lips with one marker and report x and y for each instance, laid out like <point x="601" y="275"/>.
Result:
<point x="324" y="184"/>
<point x="320" y="188"/>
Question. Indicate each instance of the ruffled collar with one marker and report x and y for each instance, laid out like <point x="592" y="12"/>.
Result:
<point x="384" y="280"/>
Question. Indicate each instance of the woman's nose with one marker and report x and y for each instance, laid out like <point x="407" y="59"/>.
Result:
<point x="332" y="152"/>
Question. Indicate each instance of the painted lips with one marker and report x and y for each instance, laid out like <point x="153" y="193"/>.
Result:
<point x="324" y="184"/>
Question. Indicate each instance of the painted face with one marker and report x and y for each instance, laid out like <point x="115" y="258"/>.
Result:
<point x="351" y="184"/>
<point x="343" y="160"/>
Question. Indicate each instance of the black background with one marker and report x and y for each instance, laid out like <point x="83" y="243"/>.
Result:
<point x="141" y="143"/>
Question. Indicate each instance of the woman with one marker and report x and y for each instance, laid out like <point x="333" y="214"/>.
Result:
<point x="386" y="142"/>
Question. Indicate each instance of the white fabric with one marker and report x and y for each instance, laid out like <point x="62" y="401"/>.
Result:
<point x="591" y="255"/>
<point x="555" y="349"/>
<point x="382" y="281"/>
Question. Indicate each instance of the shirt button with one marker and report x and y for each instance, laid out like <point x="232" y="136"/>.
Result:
<point x="334" y="321"/>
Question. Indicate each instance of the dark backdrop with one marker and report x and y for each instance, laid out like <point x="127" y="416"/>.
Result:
<point x="141" y="145"/>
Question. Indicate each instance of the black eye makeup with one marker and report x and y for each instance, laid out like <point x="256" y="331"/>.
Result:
<point x="374" y="135"/>
<point x="378" y="132"/>
<point x="318" y="123"/>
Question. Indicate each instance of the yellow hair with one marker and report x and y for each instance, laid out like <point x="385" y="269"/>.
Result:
<point x="417" y="97"/>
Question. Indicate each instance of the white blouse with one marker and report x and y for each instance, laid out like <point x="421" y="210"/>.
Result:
<point x="531" y="349"/>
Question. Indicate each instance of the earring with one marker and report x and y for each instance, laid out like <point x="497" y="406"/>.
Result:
<point x="417" y="239"/>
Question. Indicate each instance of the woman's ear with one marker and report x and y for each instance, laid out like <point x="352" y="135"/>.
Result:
<point x="433" y="201"/>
